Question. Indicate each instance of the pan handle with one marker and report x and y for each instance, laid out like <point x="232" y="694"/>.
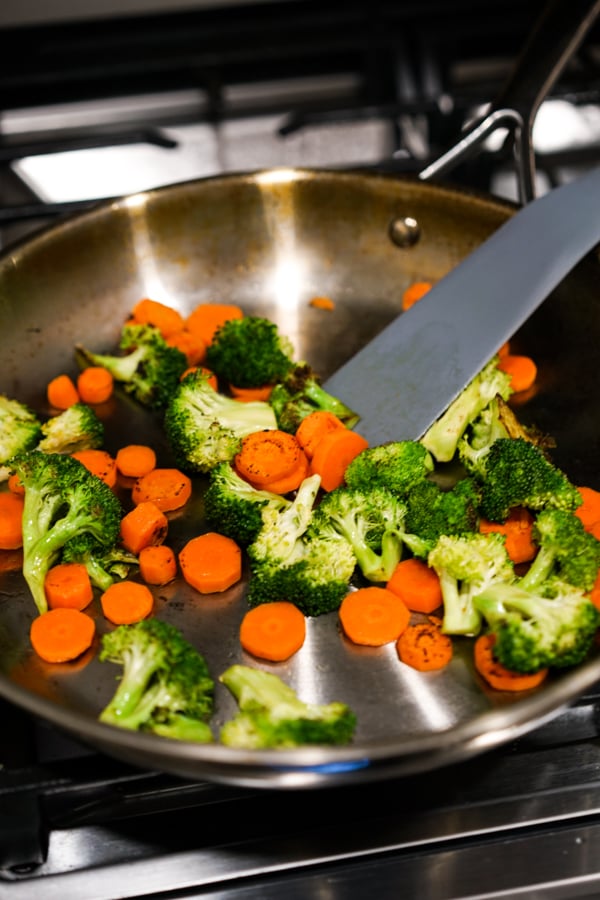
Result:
<point x="555" y="37"/>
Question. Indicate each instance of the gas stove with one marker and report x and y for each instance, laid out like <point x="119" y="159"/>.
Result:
<point x="92" y="111"/>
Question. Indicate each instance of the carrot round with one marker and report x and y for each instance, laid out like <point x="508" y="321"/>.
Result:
<point x="521" y="369"/>
<point x="11" y="521"/>
<point x="158" y="564"/>
<point x="62" y="634"/>
<point x="373" y="616"/>
<point x="273" y="631"/>
<point x="333" y="454"/>
<point x="95" y="385"/>
<point x="205" y="318"/>
<point x="190" y="343"/>
<point x="292" y="480"/>
<point x="313" y="427"/>
<point x="268" y="456"/>
<point x="518" y="534"/>
<point x="152" y="312"/>
<point x="68" y="585"/>
<point x="14" y="484"/>
<point x="168" y="489"/>
<point x="62" y="392"/>
<point x="322" y="303"/>
<point x="211" y="562"/>
<point x="414" y="292"/>
<point x="496" y="675"/>
<point x="417" y="585"/>
<point x="99" y="463"/>
<point x="503" y="349"/>
<point x="144" y="526"/>
<point x="589" y="510"/>
<point x="424" y="647"/>
<point x="250" y="394"/>
<point x="135" y="460"/>
<point x="127" y="602"/>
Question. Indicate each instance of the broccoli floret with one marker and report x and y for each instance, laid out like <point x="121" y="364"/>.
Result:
<point x="104" y="565"/>
<point x="373" y="524"/>
<point x="515" y="472"/>
<point x="315" y="577"/>
<point x="300" y="393"/>
<point x="205" y="427"/>
<point x="565" y="551"/>
<point x="249" y="352"/>
<point x="282" y="528"/>
<point x="397" y="466"/>
<point x="63" y="501"/>
<point x="165" y="686"/>
<point x="466" y="565"/>
<point x="442" y="438"/>
<point x="20" y="431"/>
<point x="271" y="715"/>
<point x="432" y="512"/>
<point x="149" y="370"/>
<point x="554" y="626"/>
<point x="76" y="428"/>
<point x="234" y="507"/>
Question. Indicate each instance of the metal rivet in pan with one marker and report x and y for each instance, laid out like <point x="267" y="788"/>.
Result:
<point x="404" y="231"/>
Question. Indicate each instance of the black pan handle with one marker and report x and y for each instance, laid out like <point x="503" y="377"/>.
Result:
<point x="555" y="37"/>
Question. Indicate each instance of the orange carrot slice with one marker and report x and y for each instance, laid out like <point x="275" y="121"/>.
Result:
<point x="273" y="631"/>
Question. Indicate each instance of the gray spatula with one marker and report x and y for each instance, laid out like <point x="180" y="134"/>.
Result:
<point x="406" y="377"/>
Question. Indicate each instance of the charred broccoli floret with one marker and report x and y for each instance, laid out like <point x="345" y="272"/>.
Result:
<point x="63" y="501"/>
<point x="299" y="393"/>
<point x="249" y="352"/>
<point x="432" y="512"/>
<point x="551" y="626"/>
<point x="73" y="429"/>
<point x="515" y="472"/>
<point x="397" y="466"/>
<point x="466" y="565"/>
<point x="271" y="715"/>
<point x="205" y="428"/>
<point x="442" y="438"/>
<point x="165" y="686"/>
<point x="20" y="431"/>
<point x="149" y="369"/>
<point x="235" y="507"/>
<point x="565" y="551"/>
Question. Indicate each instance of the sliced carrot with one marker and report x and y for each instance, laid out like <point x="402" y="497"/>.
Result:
<point x="268" y="456"/>
<point x="414" y="292"/>
<point x="373" y="616"/>
<point x="11" y="560"/>
<point x="169" y="489"/>
<point x="190" y="343"/>
<point x="322" y="303"/>
<point x="68" y="585"/>
<point x="291" y="481"/>
<point x="14" y="484"/>
<point x="424" y="647"/>
<point x="273" y="631"/>
<point x="62" y="634"/>
<point x="158" y="564"/>
<point x="205" y="318"/>
<point x="211" y="562"/>
<point x="522" y="371"/>
<point x="126" y="602"/>
<point x="99" y="463"/>
<point x="333" y="454"/>
<point x="250" y="394"/>
<point x="61" y="392"/>
<point x="135" y="460"/>
<point x="144" y="526"/>
<point x="95" y="385"/>
<point x="152" y="312"/>
<point x="313" y="427"/>
<point x="518" y="534"/>
<point x="504" y="349"/>
<point x="211" y="378"/>
<point x="589" y="511"/>
<point x="417" y="585"/>
<point x="497" y="675"/>
<point x="11" y="520"/>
